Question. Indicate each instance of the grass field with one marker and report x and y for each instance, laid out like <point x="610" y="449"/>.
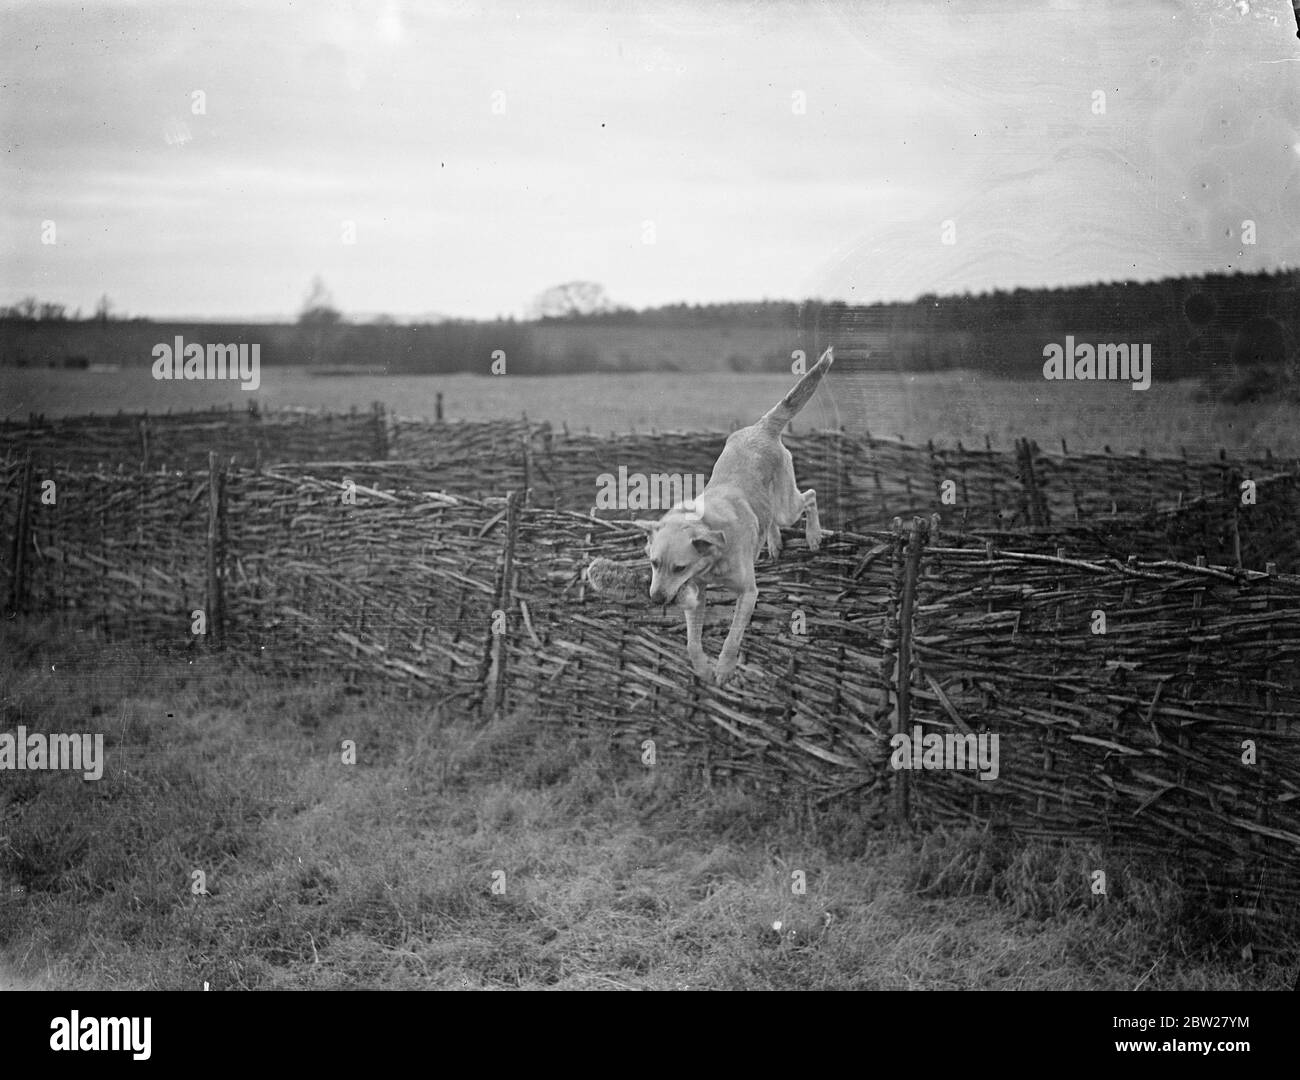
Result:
<point x="947" y="407"/>
<point x="379" y="874"/>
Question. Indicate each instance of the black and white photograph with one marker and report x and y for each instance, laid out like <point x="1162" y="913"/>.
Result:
<point x="651" y="495"/>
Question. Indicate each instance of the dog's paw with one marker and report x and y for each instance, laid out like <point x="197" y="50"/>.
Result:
<point x="815" y="539"/>
<point x="700" y="665"/>
<point x="723" y="671"/>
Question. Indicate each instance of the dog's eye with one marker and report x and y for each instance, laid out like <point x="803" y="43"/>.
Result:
<point x="678" y="569"/>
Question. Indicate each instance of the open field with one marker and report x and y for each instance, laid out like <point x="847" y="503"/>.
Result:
<point x="321" y="875"/>
<point x="948" y="407"/>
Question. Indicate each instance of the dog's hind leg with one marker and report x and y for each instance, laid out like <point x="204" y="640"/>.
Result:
<point x="813" y="527"/>
<point x="773" y="540"/>
<point x="692" y="605"/>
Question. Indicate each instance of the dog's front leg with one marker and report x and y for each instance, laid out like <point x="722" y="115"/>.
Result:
<point x="730" y="654"/>
<point x="692" y="605"/>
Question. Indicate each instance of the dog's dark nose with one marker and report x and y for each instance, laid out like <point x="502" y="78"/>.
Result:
<point x="658" y="596"/>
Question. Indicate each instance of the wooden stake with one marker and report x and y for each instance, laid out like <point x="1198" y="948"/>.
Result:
<point x="212" y="602"/>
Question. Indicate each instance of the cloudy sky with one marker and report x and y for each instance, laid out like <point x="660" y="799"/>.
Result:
<point x="210" y="158"/>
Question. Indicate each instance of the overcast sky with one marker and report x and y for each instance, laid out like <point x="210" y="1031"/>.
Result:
<point x="487" y="151"/>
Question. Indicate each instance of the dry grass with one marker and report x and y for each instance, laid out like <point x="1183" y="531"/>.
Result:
<point x="378" y="875"/>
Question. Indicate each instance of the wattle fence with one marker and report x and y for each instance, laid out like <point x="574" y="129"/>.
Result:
<point x="1139" y="690"/>
<point x="1115" y="503"/>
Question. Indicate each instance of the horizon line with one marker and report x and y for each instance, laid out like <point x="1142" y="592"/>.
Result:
<point x="367" y="318"/>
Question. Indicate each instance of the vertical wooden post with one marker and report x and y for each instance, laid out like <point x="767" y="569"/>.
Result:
<point x="1270" y="697"/>
<point x="965" y="484"/>
<point x="903" y="679"/>
<point x="212" y="603"/>
<point x="1110" y="482"/>
<point x="1049" y="759"/>
<point x="437" y="406"/>
<point x="994" y="501"/>
<point x="1198" y="598"/>
<point x="21" y="537"/>
<point x="889" y="632"/>
<point x="528" y="468"/>
<point x="1234" y="526"/>
<point x="1040" y="485"/>
<point x="380" y="421"/>
<point x="505" y="600"/>
<point x="935" y="474"/>
<point x="1034" y="504"/>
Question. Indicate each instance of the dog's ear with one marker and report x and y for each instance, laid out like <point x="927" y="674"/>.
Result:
<point x="646" y="526"/>
<point x="707" y="543"/>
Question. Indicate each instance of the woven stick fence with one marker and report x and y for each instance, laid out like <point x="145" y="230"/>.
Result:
<point x="147" y="441"/>
<point x="861" y="482"/>
<point x="1137" y="731"/>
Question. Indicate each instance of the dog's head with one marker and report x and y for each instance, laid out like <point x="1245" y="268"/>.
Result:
<point x="680" y="546"/>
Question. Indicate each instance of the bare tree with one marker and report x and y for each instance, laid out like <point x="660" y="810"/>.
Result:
<point x="318" y="309"/>
<point x="573" y="298"/>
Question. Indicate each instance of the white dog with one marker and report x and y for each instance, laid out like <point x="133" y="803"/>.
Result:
<point x="715" y="538"/>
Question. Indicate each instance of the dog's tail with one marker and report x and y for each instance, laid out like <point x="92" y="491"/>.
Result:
<point x="800" y="394"/>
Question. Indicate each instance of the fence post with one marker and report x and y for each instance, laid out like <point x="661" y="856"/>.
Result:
<point x="1270" y="698"/>
<point x="437" y="406"/>
<point x="1234" y="525"/>
<point x="21" y="537"/>
<point x="213" y="602"/>
<point x="1034" y="504"/>
<point x="528" y="467"/>
<point x="505" y="600"/>
<point x="935" y="474"/>
<point x="903" y="677"/>
<point x="381" y="431"/>
<point x="889" y="632"/>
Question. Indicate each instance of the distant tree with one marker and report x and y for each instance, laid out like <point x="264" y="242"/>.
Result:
<point x="25" y="309"/>
<point x="318" y="309"/>
<point x="104" y="309"/>
<point x="53" y="312"/>
<point x="573" y="299"/>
